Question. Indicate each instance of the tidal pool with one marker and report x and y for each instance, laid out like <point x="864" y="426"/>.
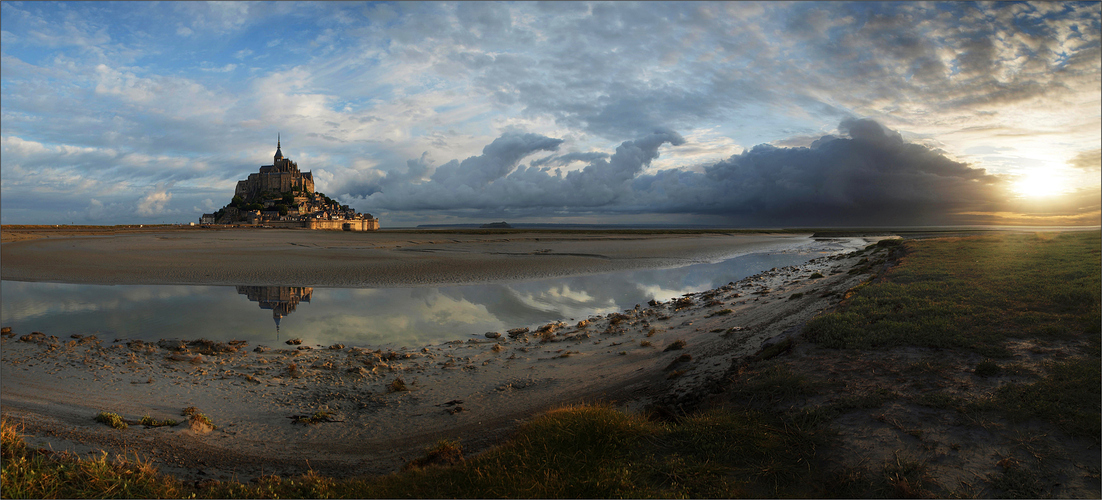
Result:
<point x="392" y="317"/>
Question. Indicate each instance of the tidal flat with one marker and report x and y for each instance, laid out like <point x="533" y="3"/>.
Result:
<point x="929" y="412"/>
<point x="260" y="257"/>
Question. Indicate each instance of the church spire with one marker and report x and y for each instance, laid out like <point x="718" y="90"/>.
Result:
<point x="279" y="154"/>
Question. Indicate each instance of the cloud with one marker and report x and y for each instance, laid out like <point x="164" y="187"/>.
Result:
<point x="216" y="17"/>
<point x="95" y="209"/>
<point x="154" y="202"/>
<point x="867" y="174"/>
<point x="497" y="181"/>
<point x="1090" y="161"/>
<point x="1019" y="80"/>
<point x="497" y="159"/>
<point x="567" y="159"/>
<point x="224" y="69"/>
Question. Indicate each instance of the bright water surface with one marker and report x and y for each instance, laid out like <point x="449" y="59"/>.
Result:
<point x="361" y="317"/>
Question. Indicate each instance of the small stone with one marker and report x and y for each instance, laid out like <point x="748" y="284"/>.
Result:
<point x="172" y="345"/>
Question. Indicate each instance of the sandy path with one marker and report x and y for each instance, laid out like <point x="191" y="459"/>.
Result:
<point x="337" y="259"/>
<point x="475" y="391"/>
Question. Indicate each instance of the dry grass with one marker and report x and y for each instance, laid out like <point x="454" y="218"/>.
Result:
<point x="675" y="345"/>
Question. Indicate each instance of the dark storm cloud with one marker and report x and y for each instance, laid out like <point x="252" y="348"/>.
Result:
<point x="496" y="161"/>
<point x="866" y="175"/>
<point x="869" y="175"/>
<point x="495" y="180"/>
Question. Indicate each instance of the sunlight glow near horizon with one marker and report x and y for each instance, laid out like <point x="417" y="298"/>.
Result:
<point x="1041" y="183"/>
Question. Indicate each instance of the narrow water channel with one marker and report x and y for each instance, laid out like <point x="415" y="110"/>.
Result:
<point x="392" y="317"/>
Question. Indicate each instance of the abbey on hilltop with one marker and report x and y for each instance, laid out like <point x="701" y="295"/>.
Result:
<point x="280" y="195"/>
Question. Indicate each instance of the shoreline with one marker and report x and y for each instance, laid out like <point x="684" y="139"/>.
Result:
<point x="476" y="391"/>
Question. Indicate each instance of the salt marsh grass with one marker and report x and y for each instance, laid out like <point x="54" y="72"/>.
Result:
<point x="974" y="294"/>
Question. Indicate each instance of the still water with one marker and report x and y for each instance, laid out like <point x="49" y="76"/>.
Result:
<point x="392" y="317"/>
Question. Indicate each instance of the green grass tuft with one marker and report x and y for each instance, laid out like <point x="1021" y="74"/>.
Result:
<point x="152" y="422"/>
<point x="112" y="419"/>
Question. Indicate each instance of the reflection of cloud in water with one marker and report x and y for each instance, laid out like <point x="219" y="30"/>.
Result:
<point x="409" y="315"/>
<point x="25" y="300"/>
<point x="663" y="294"/>
<point x="563" y="300"/>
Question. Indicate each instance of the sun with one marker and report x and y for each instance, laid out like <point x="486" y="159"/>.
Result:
<point x="1040" y="184"/>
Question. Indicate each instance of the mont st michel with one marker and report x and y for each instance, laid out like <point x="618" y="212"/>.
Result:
<point x="282" y="196"/>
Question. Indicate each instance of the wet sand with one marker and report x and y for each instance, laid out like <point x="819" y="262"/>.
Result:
<point x="376" y="259"/>
<point x="476" y="391"/>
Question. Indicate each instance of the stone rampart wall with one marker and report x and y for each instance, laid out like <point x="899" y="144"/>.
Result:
<point x="324" y="225"/>
<point x="340" y="225"/>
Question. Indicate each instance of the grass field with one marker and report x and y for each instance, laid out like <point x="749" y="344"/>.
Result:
<point x="581" y="452"/>
<point x="974" y="294"/>
<point x="968" y="367"/>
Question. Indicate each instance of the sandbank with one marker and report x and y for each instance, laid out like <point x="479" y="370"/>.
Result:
<point x="375" y="259"/>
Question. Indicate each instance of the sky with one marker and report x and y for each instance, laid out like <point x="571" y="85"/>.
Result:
<point x="717" y="113"/>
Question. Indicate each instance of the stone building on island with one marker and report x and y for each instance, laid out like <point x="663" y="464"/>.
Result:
<point x="280" y="195"/>
<point x="281" y="176"/>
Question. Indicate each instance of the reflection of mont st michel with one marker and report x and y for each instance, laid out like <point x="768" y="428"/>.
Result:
<point x="282" y="196"/>
<point x="282" y="300"/>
